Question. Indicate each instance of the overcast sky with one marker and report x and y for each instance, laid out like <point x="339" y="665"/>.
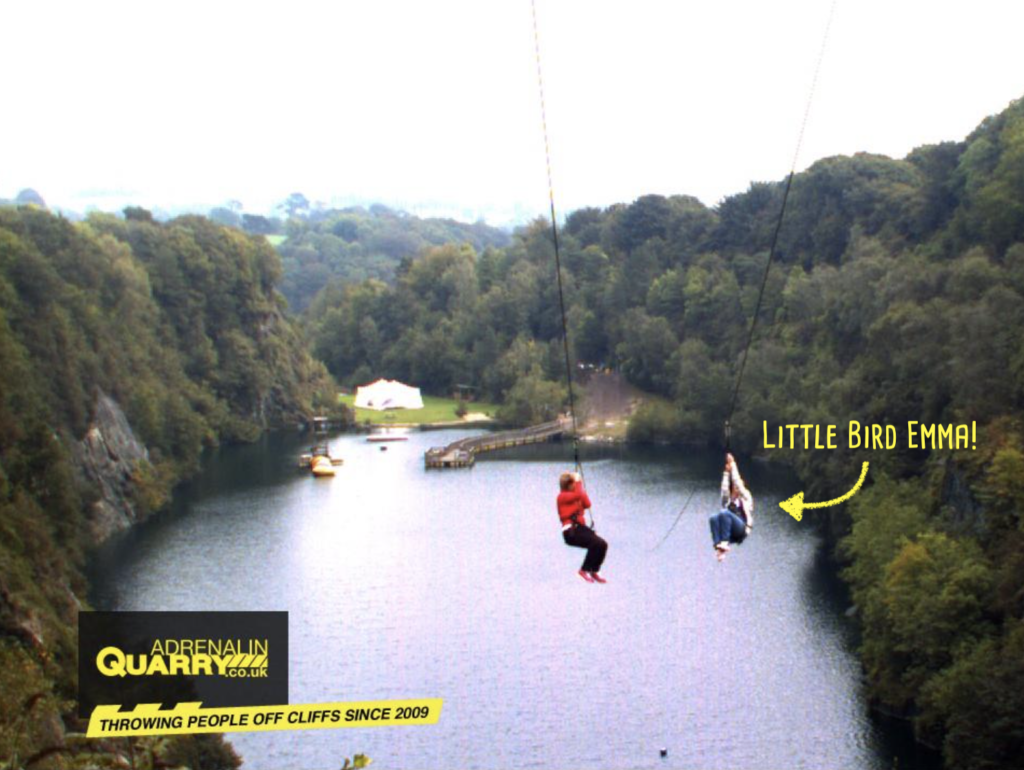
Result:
<point x="417" y="102"/>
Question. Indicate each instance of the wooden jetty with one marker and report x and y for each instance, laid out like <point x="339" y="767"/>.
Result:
<point x="462" y="453"/>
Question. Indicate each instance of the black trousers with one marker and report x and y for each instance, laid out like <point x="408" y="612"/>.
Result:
<point x="582" y="536"/>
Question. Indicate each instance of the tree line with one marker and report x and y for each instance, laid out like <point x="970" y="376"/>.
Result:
<point x="355" y="244"/>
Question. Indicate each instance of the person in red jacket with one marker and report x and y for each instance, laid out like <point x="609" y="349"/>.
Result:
<point x="572" y="502"/>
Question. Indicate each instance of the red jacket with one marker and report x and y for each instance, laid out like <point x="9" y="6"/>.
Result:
<point x="573" y="501"/>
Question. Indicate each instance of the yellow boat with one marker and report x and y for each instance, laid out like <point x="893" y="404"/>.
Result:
<point x="322" y="454"/>
<point x="321" y="466"/>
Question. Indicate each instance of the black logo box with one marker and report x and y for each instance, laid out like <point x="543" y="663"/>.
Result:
<point x="135" y="633"/>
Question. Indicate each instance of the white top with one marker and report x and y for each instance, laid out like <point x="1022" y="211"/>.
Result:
<point x="744" y="498"/>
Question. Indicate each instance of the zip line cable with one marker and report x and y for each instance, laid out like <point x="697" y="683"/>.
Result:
<point x="778" y="225"/>
<point x="678" y="517"/>
<point x="771" y="252"/>
<point x="558" y="260"/>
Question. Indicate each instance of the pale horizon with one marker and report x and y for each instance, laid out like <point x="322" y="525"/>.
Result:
<point x="434" y="109"/>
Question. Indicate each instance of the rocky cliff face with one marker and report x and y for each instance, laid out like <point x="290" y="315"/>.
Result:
<point x="963" y="512"/>
<point x="108" y="457"/>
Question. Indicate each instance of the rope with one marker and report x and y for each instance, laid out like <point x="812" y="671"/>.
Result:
<point x="681" y="512"/>
<point x="771" y="255"/>
<point x="778" y="226"/>
<point x="757" y="310"/>
<point x="558" y="259"/>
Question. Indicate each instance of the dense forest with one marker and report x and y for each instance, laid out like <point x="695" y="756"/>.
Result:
<point x="180" y="326"/>
<point x="355" y="244"/>
<point x="897" y="294"/>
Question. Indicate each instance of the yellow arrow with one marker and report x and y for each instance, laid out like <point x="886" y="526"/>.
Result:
<point x="795" y="505"/>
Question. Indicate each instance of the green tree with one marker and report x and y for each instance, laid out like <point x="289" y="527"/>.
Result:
<point x="646" y="351"/>
<point x="532" y="400"/>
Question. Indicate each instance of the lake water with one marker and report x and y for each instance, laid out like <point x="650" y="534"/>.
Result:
<point x="406" y="583"/>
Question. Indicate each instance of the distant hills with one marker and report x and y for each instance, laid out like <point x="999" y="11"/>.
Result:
<point x="355" y="244"/>
<point x="319" y="245"/>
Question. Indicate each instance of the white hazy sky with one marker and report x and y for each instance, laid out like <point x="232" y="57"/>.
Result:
<point x="417" y="102"/>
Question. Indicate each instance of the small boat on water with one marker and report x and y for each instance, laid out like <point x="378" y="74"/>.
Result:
<point x="319" y="461"/>
<point x="322" y="467"/>
<point x="388" y="434"/>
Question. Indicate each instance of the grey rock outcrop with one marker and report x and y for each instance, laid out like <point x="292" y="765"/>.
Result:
<point x="108" y="456"/>
<point x="963" y="511"/>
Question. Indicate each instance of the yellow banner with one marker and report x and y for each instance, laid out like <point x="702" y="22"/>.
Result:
<point x="150" y="719"/>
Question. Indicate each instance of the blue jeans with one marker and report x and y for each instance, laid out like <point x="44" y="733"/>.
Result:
<point x="728" y="527"/>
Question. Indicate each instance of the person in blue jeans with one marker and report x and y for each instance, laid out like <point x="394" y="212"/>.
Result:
<point x="733" y="523"/>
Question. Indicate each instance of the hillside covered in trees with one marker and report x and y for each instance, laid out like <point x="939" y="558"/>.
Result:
<point x="897" y="294"/>
<point x="355" y="244"/>
<point x="126" y="346"/>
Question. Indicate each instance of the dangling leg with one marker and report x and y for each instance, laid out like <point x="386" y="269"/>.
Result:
<point x="574" y="538"/>
<point x="720" y="528"/>
<point x="736" y="528"/>
<point x="584" y="537"/>
<point x="713" y="522"/>
<point x="597" y="547"/>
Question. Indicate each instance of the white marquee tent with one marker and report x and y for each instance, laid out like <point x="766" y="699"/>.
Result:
<point x="388" y="394"/>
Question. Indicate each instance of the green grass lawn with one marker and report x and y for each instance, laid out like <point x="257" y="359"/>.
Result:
<point x="275" y="240"/>
<point x="434" y="410"/>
